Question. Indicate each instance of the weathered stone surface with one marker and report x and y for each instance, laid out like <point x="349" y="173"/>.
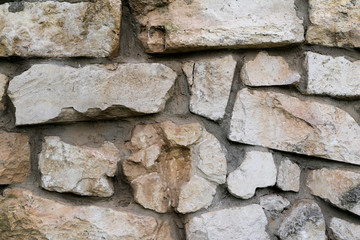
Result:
<point x="24" y="215"/>
<point x="267" y="70"/>
<point x="50" y="93"/>
<point x="60" y="29"/>
<point x="210" y="84"/>
<point x="256" y="171"/>
<point x="172" y="26"/>
<point x="237" y="223"/>
<point x="81" y="170"/>
<point x="343" y="230"/>
<point x="274" y="202"/>
<point x="175" y="166"/>
<point x="14" y="157"/>
<point x="336" y="77"/>
<point x="304" y="221"/>
<point x="287" y="123"/>
<point x="339" y="187"/>
<point x="3" y="82"/>
<point x="334" y="23"/>
<point x="288" y="178"/>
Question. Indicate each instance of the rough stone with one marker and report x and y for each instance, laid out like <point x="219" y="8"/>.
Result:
<point x="339" y="187"/>
<point x="274" y="202"/>
<point x="3" y="83"/>
<point x="267" y="70"/>
<point x="288" y="178"/>
<point x="177" y="25"/>
<point x="49" y="93"/>
<point x="14" y="157"/>
<point x="343" y="230"/>
<point x="175" y="166"/>
<point x="236" y="223"/>
<point x="60" y="29"/>
<point x="210" y="83"/>
<point x="336" y="77"/>
<point x="304" y="221"/>
<point x="286" y="123"/>
<point x="258" y="170"/>
<point x="334" y="23"/>
<point x="81" y="170"/>
<point x="24" y="215"/>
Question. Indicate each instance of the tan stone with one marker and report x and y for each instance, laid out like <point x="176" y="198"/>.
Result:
<point x="288" y="178"/>
<point x="3" y="82"/>
<point x="60" y="29"/>
<point x="14" y="157"/>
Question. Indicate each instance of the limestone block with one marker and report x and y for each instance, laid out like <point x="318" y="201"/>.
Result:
<point x="288" y="178"/>
<point x="343" y="230"/>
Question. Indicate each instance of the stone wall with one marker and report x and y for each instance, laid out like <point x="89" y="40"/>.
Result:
<point x="180" y="119"/>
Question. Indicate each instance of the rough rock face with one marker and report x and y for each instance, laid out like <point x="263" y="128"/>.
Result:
<point x="339" y="187"/>
<point x="274" y="202"/>
<point x="24" y="215"/>
<point x="175" y="166"/>
<point x="14" y="157"/>
<point x="50" y="93"/>
<point x="236" y="223"/>
<point x="80" y="170"/>
<point x="172" y="26"/>
<point x="334" y="23"/>
<point x="304" y="221"/>
<point x="343" y="230"/>
<point x="267" y="70"/>
<point x="288" y="178"/>
<point x="337" y="77"/>
<point x="210" y="83"/>
<point x="3" y="82"/>
<point x="256" y="171"/>
<point x="287" y="123"/>
<point x="60" y="29"/>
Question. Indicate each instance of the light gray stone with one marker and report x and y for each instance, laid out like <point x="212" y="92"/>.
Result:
<point x="3" y="83"/>
<point x="343" y="230"/>
<point x="274" y="202"/>
<point x="288" y="178"/>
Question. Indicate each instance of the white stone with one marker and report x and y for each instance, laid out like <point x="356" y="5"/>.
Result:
<point x="343" y="230"/>
<point x="50" y="93"/>
<point x="258" y="170"/>
<point x="274" y="202"/>
<point x="288" y="178"/>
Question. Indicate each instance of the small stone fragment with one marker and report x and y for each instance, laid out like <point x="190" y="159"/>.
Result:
<point x="267" y="70"/>
<point x="274" y="202"/>
<point x="288" y="178"/>
<point x="210" y="83"/>
<point x="343" y="230"/>
<point x="258" y="170"/>
<point x="81" y="170"/>
<point x="3" y="82"/>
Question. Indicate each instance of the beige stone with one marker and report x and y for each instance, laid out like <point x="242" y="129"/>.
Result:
<point x="60" y="29"/>
<point x="288" y="178"/>
<point x="81" y="170"/>
<point x="286" y="123"/>
<point x="3" y="83"/>
<point x="344" y="230"/>
<point x="177" y="25"/>
<point x="50" y="93"/>
<point x="14" y="157"/>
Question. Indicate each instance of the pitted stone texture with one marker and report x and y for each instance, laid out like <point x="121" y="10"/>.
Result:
<point x="334" y="23"/>
<point x="24" y="215"/>
<point x="60" y="29"/>
<point x="175" y="166"/>
<point x="49" y="93"/>
<point x="258" y="170"/>
<point x="177" y="25"/>
<point x="14" y="157"/>
<point x="267" y="70"/>
<point x="304" y="221"/>
<point x="339" y="187"/>
<point x="238" y="223"/>
<point x="336" y="77"/>
<point x="210" y="83"/>
<point x="81" y="170"/>
<point x="286" y="123"/>
<point x="343" y="230"/>
<point x="274" y="202"/>
<point x="3" y="82"/>
<point x="288" y="178"/>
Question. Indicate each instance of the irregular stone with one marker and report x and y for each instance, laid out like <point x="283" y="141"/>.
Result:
<point x="337" y="77"/>
<point x="173" y="26"/>
<point x="287" y="123"/>
<point x="210" y="83"/>
<point x="339" y="187"/>
<point x="49" y="93"/>
<point x="267" y="70"/>
<point x="334" y="23"/>
<point x="81" y="170"/>
<point x="24" y="215"/>
<point x="60" y="29"/>
<point x="274" y="202"/>
<point x="236" y="223"/>
<point x="304" y="221"/>
<point x="3" y="82"/>
<point x="258" y="170"/>
<point x="343" y="230"/>
<point x="288" y="178"/>
<point x="182" y="172"/>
